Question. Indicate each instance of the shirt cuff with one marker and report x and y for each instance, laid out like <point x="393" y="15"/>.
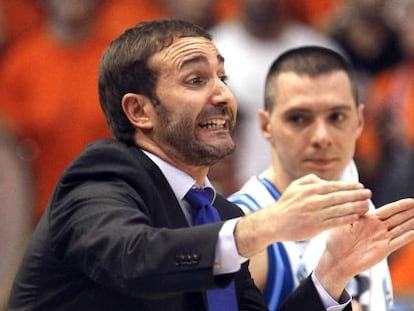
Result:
<point x="330" y="303"/>
<point x="227" y="259"/>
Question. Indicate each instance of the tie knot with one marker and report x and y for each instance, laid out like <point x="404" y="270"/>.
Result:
<point x="198" y="198"/>
<point x="201" y="203"/>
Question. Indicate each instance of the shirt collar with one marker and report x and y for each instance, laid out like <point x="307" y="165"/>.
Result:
<point x="179" y="181"/>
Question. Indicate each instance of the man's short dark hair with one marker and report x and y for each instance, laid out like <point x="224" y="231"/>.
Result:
<point x="311" y="61"/>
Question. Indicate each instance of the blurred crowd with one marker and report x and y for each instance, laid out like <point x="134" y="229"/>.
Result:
<point x="49" y="110"/>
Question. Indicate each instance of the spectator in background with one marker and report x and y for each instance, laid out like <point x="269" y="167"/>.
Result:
<point x="364" y="31"/>
<point x="201" y="12"/>
<point x="48" y="89"/>
<point x="16" y="192"/>
<point x="18" y="17"/>
<point x="317" y="14"/>
<point x="385" y="151"/>
<point x="250" y="44"/>
<point x="16" y="214"/>
<point x="117" y="16"/>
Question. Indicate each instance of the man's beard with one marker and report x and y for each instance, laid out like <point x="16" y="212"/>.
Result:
<point x="177" y="138"/>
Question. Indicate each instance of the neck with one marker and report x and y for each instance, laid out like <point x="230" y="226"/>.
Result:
<point x="199" y="173"/>
<point x="278" y="181"/>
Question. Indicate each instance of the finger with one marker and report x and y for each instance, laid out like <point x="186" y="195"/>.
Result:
<point x="335" y="186"/>
<point x="343" y="214"/>
<point x="351" y="209"/>
<point x="400" y="223"/>
<point x="401" y="240"/>
<point x="348" y="201"/>
<point x="307" y="179"/>
<point x="404" y="220"/>
<point x="392" y="209"/>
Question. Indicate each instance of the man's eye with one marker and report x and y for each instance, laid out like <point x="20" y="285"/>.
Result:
<point x="337" y="117"/>
<point x="224" y="78"/>
<point x="296" y="119"/>
<point x="195" y="81"/>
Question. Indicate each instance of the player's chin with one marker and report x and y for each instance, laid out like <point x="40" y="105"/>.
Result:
<point x="326" y="171"/>
<point x="321" y="173"/>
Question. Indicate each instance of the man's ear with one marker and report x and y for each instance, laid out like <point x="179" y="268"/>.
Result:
<point x="264" y="121"/>
<point x="361" y="122"/>
<point x="138" y="109"/>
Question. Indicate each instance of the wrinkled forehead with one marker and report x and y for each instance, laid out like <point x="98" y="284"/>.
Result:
<point x="183" y="50"/>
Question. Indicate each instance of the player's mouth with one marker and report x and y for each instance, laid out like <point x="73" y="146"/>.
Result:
<point x="320" y="162"/>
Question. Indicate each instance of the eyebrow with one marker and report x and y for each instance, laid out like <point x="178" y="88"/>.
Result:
<point x="306" y="109"/>
<point x="200" y="59"/>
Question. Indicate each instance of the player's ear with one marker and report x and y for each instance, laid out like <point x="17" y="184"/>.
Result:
<point x="139" y="110"/>
<point x="360" y="113"/>
<point x="264" y="120"/>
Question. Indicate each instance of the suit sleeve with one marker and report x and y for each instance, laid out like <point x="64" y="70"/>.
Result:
<point x="105" y="230"/>
<point x="306" y="295"/>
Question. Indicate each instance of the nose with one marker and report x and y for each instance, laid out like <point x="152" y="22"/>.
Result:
<point x="321" y="137"/>
<point x="222" y="95"/>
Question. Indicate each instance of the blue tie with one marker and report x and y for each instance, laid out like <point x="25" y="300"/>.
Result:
<point x="202" y="212"/>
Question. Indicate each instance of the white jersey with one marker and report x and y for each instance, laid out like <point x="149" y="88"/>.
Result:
<point x="372" y="288"/>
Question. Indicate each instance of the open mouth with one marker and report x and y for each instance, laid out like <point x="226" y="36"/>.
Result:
<point x="214" y="124"/>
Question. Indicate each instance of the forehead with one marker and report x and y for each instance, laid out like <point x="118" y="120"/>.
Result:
<point x="300" y="90"/>
<point x="182" y="50"/>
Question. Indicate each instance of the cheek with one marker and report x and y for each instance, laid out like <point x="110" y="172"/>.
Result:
<point x="288" y="146"/>
<point x="348" y="145"/>
<point x="346" y="137"/>
<point x="291" y="141"/>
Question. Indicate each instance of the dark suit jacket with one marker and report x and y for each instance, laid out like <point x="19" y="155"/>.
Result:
<point x="114" y="238"/>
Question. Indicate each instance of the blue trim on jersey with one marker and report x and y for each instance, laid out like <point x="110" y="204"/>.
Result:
<point x="270" y="188"/>
<point x="272" y="288"/>
<point x="245" y="200"/>
<point x="288" y="277"/>
<point x="279" y="282"/>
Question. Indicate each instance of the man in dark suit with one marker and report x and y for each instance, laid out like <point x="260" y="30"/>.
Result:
<point x="118" y="232"/>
